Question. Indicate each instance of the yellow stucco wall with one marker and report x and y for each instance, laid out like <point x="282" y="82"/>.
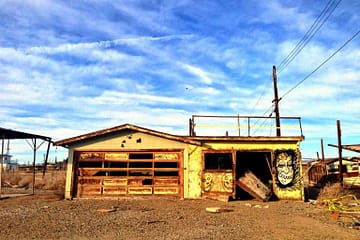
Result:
<point x="195" y="165"/>
<point x="192" y="157"/>
<point x="194" y="169"/>
<point x="69" y="174"/>
<point x="129" y="141"/>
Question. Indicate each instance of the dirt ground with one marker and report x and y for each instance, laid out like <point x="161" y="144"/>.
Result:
<point x="46" y="216"/>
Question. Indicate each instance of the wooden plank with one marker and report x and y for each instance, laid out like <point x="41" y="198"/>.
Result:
<point x="252" y="185"/>
<point x="84" y="190"/>
<point x="115" y="181"/>
<point x="166" y="190"/>
<point x="220" y="196"/>
<point x="166" y="181"/>
<point x="89" y="181"/>
<point x="116" y="156"/>
<point x="110" y="190"/>
<point x="140" y="190"/>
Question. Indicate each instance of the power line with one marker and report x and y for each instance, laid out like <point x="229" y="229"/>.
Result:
<point x="261" y="96"/>
<point x="303" y="38"/>
<point x="322" y="64"/>
<point x="320" y="20"/>
<point x="315" y="27"/>
<point x="264" y="119"/>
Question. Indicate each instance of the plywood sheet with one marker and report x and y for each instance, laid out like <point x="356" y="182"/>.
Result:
<point x="252" y="185"/>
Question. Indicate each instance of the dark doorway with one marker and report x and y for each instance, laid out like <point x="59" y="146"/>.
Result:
<point x="256" y="162"/>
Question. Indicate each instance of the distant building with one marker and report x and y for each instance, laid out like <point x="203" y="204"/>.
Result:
<point x="322" y="172"/>
<point x="8" y="164"/>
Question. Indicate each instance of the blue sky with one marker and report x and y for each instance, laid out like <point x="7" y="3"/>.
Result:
<point x="72" y="67"/>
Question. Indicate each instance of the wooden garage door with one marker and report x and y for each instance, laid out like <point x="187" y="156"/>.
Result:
<point x="123" y="173"/>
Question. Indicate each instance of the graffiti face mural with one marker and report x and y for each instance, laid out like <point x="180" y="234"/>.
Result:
<point x="286" y="168"/>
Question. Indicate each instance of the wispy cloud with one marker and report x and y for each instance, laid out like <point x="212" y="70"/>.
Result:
<point x="70" y="68"/>
<point x="198" y="72"/>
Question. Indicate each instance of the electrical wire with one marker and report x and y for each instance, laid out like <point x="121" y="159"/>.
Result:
<point x="322" y="64"/>
<point x="283" y="62"/>
<point x="315" y="27"/>
<point x="318" y="23"/>
<point x="261" y="96"/>
<point x="264" y="119"/>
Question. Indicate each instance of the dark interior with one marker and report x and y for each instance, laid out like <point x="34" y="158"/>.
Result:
<point x="258" y="164"/>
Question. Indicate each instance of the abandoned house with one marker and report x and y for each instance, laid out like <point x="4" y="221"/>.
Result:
<point x="132" y="160"/>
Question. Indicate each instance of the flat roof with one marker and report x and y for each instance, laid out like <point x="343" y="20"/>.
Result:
<point x="13" y="134"/>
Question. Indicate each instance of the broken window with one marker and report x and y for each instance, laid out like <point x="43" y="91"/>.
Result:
<point x="141" y="156"/>
<point x="90" y="164"/>
<point x="113" y="164"/>
<point x="218" y="161"/>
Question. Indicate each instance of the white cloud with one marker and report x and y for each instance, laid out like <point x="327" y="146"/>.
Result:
<point x="200" y="73"/>
<point x="67" y="69"/>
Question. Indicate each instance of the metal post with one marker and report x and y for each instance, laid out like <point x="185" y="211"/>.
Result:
<point x="276" y="102"/>
<point x="238" y="123"/>
<point x="341" y="179"/>
<point x="322" y="150"/>
<point x="2" y="163"/>
<point x="46" y="158"/>
<point x="34" y="172"/>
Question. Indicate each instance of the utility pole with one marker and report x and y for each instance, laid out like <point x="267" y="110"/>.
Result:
<point x="322" y="150"/>
<point x="341" y="179"/>
<point x="276" y="102"/>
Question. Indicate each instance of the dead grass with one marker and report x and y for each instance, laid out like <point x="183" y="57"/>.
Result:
<point x="53" y="180"/>
<point x="334" y="190"/>
<point x="12" y="178"/>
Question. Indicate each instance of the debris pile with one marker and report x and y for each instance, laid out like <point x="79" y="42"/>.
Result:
<point x="347" y="206"/>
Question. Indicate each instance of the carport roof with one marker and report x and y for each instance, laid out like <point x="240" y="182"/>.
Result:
<point x="350" y="147"/>
<point x="353" y="147"/>
<point x="13" y="134"/>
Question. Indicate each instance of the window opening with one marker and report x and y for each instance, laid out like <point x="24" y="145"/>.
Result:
<point x="109" y="164"/>
<point x="134" y="156"/>
<point x="218" y="161"/>
<point x="90" y="164"/>
<point x="140" y="164"/>
<point x="166" y="164"/>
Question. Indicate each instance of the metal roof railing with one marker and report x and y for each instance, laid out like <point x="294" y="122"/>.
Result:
<point x="237" y="125"/>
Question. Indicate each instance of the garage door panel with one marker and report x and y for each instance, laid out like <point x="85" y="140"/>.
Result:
<point x="122" y="173"/>
<point x="114" y="190"/>
<point x="166" y="190"/>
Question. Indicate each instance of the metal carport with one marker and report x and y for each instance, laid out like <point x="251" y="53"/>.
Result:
<point x="13" y="134"/>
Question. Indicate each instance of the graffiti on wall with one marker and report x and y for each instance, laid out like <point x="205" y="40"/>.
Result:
<point x="287" y="168"/>
<point x="218" y="182"/>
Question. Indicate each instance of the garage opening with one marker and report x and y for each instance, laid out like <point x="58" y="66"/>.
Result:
<point x="258" y="164"/>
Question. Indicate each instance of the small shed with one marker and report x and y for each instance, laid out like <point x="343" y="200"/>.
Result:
<point x="129" y="160"/>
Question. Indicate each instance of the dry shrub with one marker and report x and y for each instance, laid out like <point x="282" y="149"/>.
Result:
<point x="334" y="190"/>
<point x="55" y="181"/>
<point x="25" y="181"/>
<point x="12" y="177"/>
<point x="51" y="181"/>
